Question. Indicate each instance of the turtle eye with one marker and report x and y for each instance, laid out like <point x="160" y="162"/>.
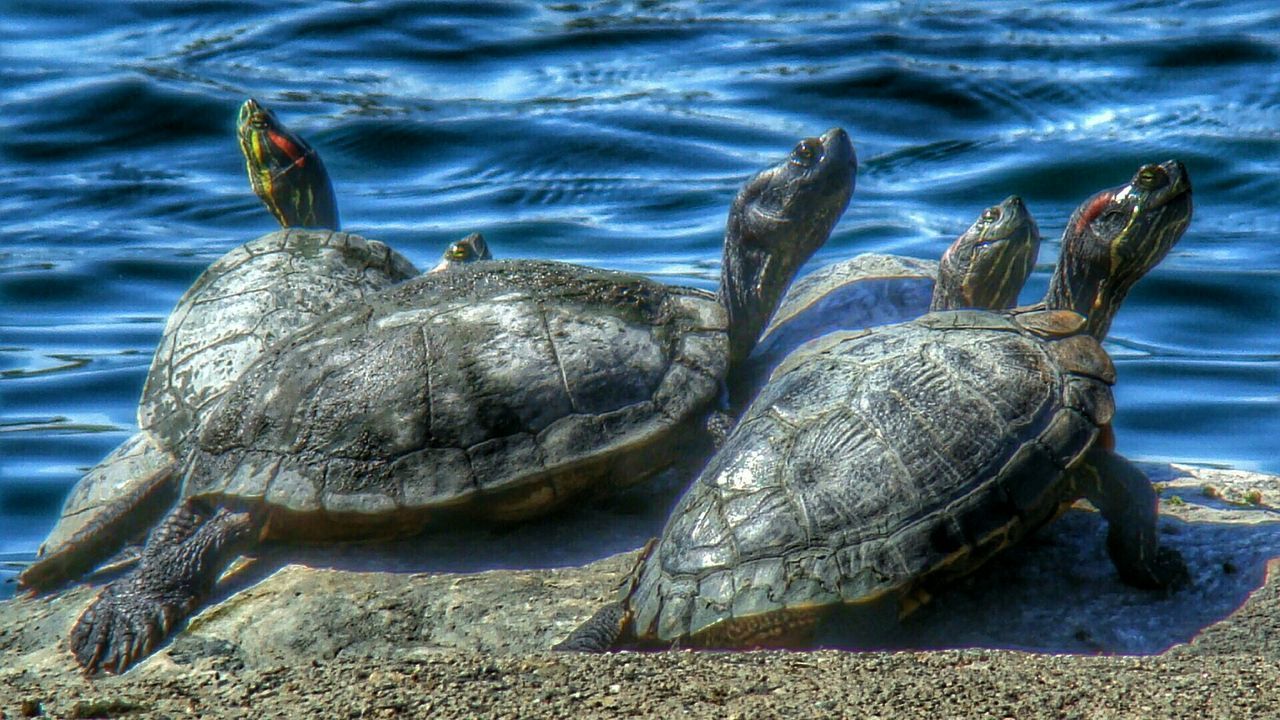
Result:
<point x="258" y="121"/>
<point x="457" y="252"/>
<point x="1151" y="177"/>
<point x="991" y="214"/>
<point x="806" y="152"/>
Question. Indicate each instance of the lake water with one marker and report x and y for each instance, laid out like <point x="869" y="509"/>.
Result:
<point x="615" y="134"/>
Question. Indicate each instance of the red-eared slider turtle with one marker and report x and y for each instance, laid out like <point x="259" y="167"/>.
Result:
<point x="284" y="171"/>
<point x="877" y="465"/>
<point x="498" y="393"/>
<point x="242" y="304"/>
<point x="875" y="289"/>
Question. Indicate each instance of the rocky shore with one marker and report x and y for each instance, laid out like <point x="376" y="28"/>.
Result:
<point x="419" y="628"/>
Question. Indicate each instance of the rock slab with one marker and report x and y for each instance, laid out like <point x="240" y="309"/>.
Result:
<point x="313" y="627"/>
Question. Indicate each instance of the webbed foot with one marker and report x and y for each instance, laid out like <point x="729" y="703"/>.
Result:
<point x="123" y="625"/>
<point x="1127" y="500"/>
<point x="182" y="560"/>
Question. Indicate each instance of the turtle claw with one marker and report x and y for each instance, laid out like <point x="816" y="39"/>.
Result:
<point x="118" y="629"/>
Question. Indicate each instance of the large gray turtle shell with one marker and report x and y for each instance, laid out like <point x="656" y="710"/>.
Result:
<point x="868" y="460"/>
<point x="500" y="376"/>
<point x="243" y="303"/>
<point x="865" y="291"/>
<point x="247" y="301"/>
<point x="871" y="289"/>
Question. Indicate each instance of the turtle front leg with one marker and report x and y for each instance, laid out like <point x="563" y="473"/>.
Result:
<point x="1124" y="496"/>
<point x="180" y="564"/>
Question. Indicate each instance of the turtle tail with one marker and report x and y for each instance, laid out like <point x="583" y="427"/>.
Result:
<point x="599" y="633"/>
<point x="611" y="625"/>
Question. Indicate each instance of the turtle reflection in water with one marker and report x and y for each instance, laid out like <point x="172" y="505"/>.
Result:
<point x="496" y="390"/>
<point x="879" y="465"/>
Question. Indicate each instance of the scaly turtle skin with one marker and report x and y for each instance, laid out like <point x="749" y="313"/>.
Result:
<point x="242" y="304"/>
<point x="875" y="289"/>
<point x="496" y="391"/>
<point x="879" y="465"/>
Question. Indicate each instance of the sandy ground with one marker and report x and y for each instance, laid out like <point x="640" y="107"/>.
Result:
<point x="974" y="683"/>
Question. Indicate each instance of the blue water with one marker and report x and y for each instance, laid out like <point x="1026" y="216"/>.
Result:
<point x="615" y="134"/>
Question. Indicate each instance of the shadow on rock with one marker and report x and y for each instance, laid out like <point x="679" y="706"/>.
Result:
<point x="523" y="588"/>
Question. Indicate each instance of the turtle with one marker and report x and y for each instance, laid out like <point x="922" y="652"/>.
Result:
<point x="497" y="394"/>
<point x="873" y="289"/>
<point x="243" y="303"/>
<point x="469" y="249"/>
<point x="876" y="466"/>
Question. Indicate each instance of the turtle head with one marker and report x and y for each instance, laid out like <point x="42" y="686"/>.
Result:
<point x="987" y="266"/>
<point x="776" y="222"/>
<point x="467" y="250"/>
<point x="285" y="172"/>
<point x="1115" y="238"/>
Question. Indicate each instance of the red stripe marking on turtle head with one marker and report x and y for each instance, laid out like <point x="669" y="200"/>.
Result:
<point x="285" y="144"/>
<point x="1094" y="209"/>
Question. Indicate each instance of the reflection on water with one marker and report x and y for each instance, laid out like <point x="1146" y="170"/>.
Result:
<point x="615" y="133"/>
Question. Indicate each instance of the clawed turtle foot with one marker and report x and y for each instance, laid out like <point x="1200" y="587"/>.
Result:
<point x="178" y="568"/>
<point x="123" y="625"/>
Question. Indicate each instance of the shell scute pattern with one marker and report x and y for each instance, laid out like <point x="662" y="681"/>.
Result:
<point x="113" y="476"/>
<point x="1091" y="398"/>
<point x="464" y="397"/>
<point x="898" y="479"/>
<point x="1080" y="355"/>
<point x="245" y="302"/>
<point x="431" y="475"/>
<point x="600" y="343"/>
<point x="292" y="491"/>
<point x="244" y="479"/>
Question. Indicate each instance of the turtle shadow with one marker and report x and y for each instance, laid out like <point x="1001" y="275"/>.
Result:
<point x="590" y="529"/>
<point x="1058" y="591"/>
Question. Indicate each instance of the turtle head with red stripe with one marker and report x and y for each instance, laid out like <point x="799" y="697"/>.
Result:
<point x="285" y="172"/>
<point x="1115" y="237"/>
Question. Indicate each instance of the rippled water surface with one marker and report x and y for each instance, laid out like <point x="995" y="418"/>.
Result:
<point x="615" y="134"/>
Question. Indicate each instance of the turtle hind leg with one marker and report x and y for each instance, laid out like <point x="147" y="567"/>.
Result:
<point x="599" y="633"/>
<point x="1124" y="496"/>
<point x="179" y="566"/>
<point x="114" y="527"/>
